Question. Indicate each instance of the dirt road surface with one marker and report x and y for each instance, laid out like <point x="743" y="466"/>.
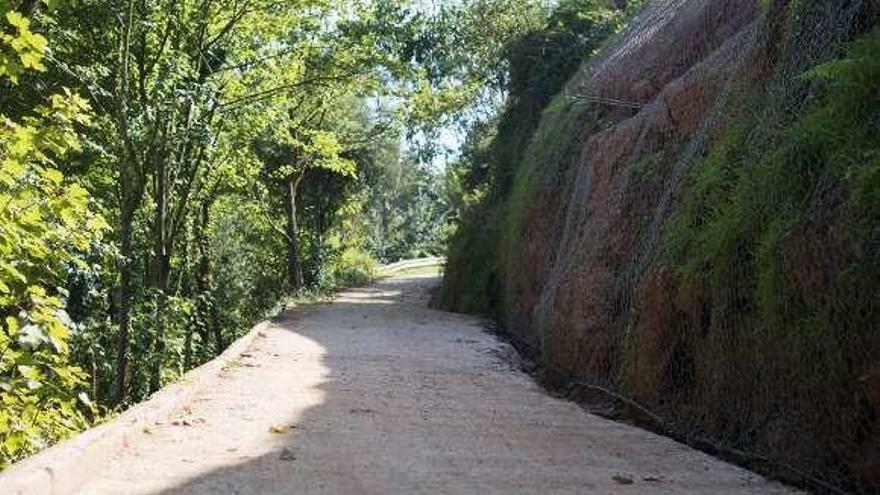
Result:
<point x="377" y="394"/>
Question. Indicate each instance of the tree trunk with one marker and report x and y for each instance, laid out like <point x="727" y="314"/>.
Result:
<point x="203" y="281"/>
<point x="186" y="275"/>
<point x="218" y="331"/>
<point x="124" y="315"/>
<point x="130" y="194"/>
<point x="161" y="270"/>
<point x="294" y="263"/>
<point x="386" y="228"/>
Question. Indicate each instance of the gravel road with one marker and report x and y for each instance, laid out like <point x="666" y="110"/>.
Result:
<point x="377" y="394"/>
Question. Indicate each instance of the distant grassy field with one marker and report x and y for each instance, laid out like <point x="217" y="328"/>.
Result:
<point x="417" y="267"/>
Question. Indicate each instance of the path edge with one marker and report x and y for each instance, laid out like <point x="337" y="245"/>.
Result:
<point x="65" y="467"/>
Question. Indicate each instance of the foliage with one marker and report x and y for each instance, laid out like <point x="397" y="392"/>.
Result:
<point x="22" y="49"/>
<point x="499" y="166"/>
<point x="46" y="222"/>
<point x="766" y="193"/>
<point x="741" y="209"/>
<point x="407" y="207"/>
<point x="238" y="152"/>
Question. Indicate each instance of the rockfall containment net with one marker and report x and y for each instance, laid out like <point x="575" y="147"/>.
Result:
<point x="709" y="261"/>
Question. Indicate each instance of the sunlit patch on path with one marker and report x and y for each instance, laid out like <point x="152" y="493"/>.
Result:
<point x="376" y="393"/>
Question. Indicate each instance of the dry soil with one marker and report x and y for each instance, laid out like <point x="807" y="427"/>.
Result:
<point x="375" y="393"/>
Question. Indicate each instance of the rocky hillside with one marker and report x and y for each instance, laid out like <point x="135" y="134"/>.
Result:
<point x="694" y="224"/>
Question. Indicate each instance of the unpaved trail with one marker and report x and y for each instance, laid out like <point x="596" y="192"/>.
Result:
<point x="377" y="394"/>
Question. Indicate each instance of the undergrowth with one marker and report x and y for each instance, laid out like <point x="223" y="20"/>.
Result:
<point x="821" y="170"/>
<point x="534" y="132"/>
<point x="779" y="229"/>
<point x="546" y="162"/>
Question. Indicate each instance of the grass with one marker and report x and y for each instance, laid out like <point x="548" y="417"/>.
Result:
<point x="434" y="268"/>
<point x="430" y="270"/>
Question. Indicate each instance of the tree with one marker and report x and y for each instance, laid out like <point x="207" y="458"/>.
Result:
<point x="233" y="148"/>
<point x="46" y="220"/>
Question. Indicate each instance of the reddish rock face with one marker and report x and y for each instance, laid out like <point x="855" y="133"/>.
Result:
<point x="865" y="458"/>
<point x="574" y="276"/>
<point x="672" y="40"/>
<point x="584" y="282"/>
<point x="654" y="338"/>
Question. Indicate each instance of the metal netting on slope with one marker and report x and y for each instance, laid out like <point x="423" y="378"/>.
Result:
<point x="639" y="32"/>
<point x="715" y="271"/>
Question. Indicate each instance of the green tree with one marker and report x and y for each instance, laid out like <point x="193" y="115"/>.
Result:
<point x="235" y="150"/>
<point x="46" y="221"/>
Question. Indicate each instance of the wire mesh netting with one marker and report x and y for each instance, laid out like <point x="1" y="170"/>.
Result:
<point x="712" y="263"/>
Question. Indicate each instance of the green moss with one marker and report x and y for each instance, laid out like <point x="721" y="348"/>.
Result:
<point x="546" y="162"/>
<point x="534" y="138"/>
<point x="494" y="231"/>
<point x="779" y="229"/>
<point x="767" y="179"/>
<point x="471" y="270"/>
<point x="645" y="165"/>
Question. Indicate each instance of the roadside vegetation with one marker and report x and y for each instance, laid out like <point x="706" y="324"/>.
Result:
<point x="719" y="275"/>
<point x="537" y="128"/>
<point x="172" y="170"/>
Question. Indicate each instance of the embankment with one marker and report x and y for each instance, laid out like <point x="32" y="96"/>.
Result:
<point x="694" y="224"/>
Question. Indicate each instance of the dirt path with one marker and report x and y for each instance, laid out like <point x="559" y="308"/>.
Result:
<point x="377" y="394"/>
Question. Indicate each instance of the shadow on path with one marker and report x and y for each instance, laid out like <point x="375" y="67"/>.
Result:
<point x="374" y="393"/>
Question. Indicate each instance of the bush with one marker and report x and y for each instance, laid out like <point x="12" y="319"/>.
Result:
<point x="352" y="267"/>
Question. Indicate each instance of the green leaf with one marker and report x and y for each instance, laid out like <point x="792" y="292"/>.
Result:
<point x="17" y="20"/>
<point x="52" y="175"/>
